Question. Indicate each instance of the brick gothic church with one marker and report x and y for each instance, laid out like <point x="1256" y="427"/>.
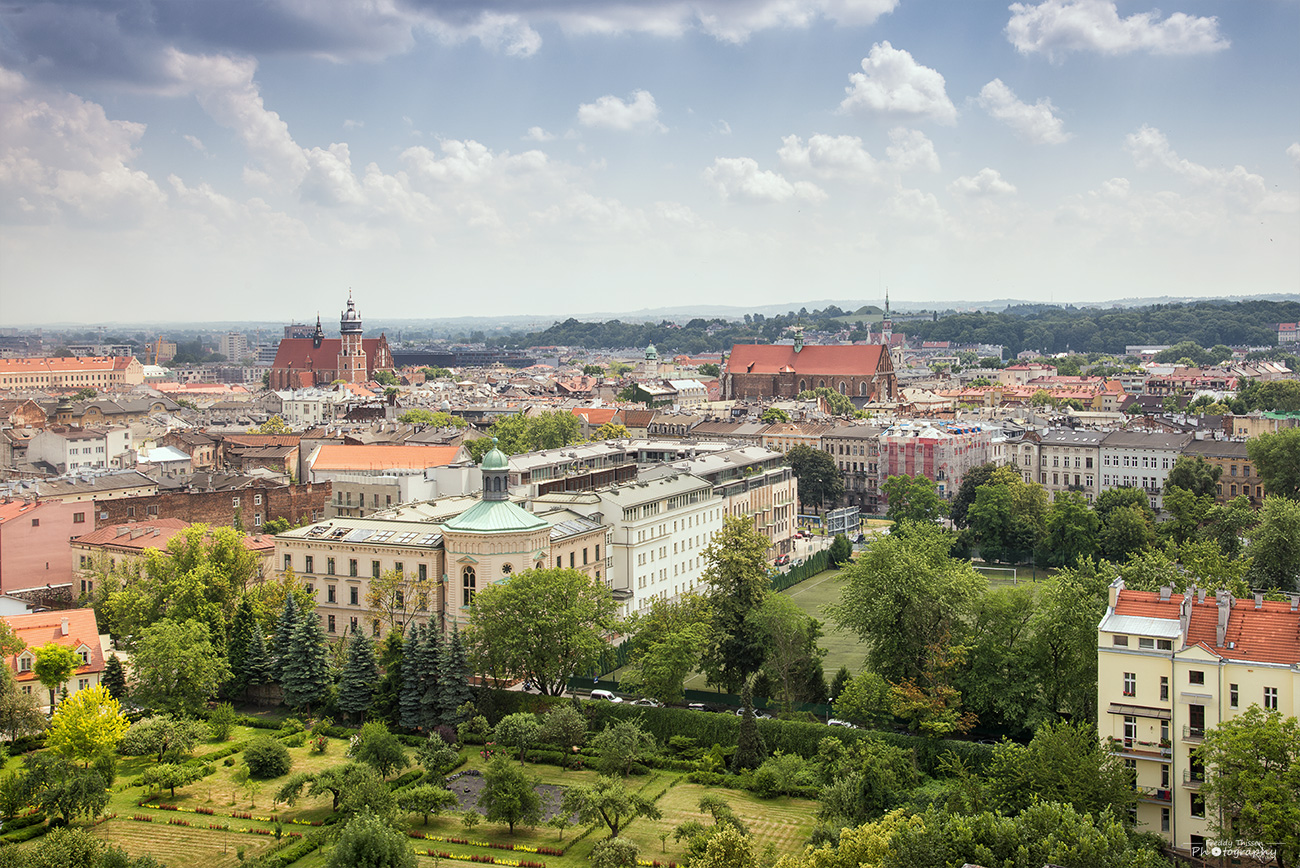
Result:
<point x="766" y="371"/>
<point x="318" y="360"/>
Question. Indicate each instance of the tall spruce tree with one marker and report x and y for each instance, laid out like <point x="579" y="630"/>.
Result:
<point x="241" y="634"/>
<point x="115" y="678"/>
<point x="388" y="695"/>
<point x="290" y="619"/>
<point x="304" y="670"/>
<point x="431" y="661"/>
<point x="357" y="681"/>
<point x="259" y="664"/>
<point x="412" y="680"/>
<point x="453" y="676"/>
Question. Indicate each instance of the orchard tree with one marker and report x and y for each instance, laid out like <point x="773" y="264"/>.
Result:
<point x="518" y="730"/>
<point x="86" y="726"/>
<point x="509" y="795"/>
<point x="622" y="745"/>
<point x="609" y="803"/>
<point x="368" y="841"/>
<point x="425" y="800"/>
<point x="736" y="573"/>
<point x="541" y="626"/>
<point x="380" y="749"/>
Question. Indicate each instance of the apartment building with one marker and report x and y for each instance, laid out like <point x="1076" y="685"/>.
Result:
<point x="1140" y="459"/>
<point x="1237" y="474"/>
<point x="941" y="451"/>
<point x="856" y="451"/>
<point x="70" y="450"/>
<point x="1069" y="460"/>
<point x="1172" y="666"/>
<point x="753" y="482"/>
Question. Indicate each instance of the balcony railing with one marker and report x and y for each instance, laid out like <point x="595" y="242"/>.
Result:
<point x="1158" y="794"/>
<point x="1147" y="748"/>
<point x="1193" y="778"/>
<point x="1193" y="733"/>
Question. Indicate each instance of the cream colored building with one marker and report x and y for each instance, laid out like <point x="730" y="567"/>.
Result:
<point x="1172" y="666"/>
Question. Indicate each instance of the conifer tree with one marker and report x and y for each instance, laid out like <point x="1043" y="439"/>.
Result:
<point x="115" y="678"/>
<point x="259" y="665"/>
<point x="304" y="674"/>
<point x="357" y="682"/>
<point x="453" y="674"/>
<point x="241" y="634"/>
<point x="412" y="680"/>
<point x="388" y="695"/>
<point x="431" y="661"/>
<point x="290" y="619"/>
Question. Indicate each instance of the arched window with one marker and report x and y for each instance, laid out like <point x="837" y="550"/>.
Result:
<point x="803" y="386"/>
<point x="468" y="586"/>
<point x="862" y="390"/>
<point x="842" y="388"/>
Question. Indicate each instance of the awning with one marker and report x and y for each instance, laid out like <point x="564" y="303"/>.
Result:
<point x="1140" y="711"/>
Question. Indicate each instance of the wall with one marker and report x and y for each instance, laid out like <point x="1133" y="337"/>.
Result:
<point x="32" y="556"/>
<point x="294" y="502"/>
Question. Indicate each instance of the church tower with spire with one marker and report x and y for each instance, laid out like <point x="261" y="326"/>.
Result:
<point x="352" y="354"/>
<point x="886" y="324"/>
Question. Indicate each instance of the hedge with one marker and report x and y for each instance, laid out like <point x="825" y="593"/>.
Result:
<point x="817" y="563"/>
<point x="25" y="834"/>
<point x="16" y="823"/>
<point x="289" y="851"/>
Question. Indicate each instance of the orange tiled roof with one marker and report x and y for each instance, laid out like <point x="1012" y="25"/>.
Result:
<point x="595" y="415"/>
<point x="155" y="534"/>
<point x="68" y="363"/>
<point x="42" y="628"/>
<point x="814" y="360"/>
<point x="1269" y="634"/>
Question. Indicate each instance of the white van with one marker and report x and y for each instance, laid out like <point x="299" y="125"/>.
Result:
<point x="605" y="696"/>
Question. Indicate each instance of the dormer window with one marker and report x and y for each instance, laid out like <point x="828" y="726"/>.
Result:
<point x="25" y="663"/>
<point x="83" y="653"/>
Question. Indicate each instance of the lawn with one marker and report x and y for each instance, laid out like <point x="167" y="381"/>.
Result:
<point x="813" y="596"/>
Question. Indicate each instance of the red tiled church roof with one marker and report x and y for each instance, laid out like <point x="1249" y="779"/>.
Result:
<point x="852" y="360"/>
<point x="300" y="354"/>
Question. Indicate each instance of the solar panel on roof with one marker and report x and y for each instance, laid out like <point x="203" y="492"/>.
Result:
<point x="360" y="534"/>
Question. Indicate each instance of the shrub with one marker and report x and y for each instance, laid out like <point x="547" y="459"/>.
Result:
<point x="228" y="761"/>
<point x="298" y="739"/>
<point x="267" y="758"/>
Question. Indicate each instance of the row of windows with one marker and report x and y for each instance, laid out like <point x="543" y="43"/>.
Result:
<point x="1147" y="461"/>
<point x="1197" y="677"/>
<point x="376" y="568"/>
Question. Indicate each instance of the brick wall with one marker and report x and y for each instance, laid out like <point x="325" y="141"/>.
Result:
<point x="294" y="502"/>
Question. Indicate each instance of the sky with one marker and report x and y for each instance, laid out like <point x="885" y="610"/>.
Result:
<point x="244" y="160"/>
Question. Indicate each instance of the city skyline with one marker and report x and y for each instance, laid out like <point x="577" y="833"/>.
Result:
<point x="253" y="161"/>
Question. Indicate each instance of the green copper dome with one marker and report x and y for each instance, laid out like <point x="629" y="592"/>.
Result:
<point x="495" y="459"/>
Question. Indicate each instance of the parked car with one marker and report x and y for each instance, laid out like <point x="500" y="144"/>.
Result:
<point x="837" y="722"/>
<point x="783" y="560"/>
<point x="758" y="713"/>
<point x="647" y="702"/>
<point x="605" y="696"/>
<point x="698" y="706"/>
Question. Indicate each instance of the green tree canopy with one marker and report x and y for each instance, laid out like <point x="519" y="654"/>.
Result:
<point x="735" y="570"/>
<point x="177" y="669"/>
<point x="819" y="479"/>
<point x="1073" y="529"/>
<point x="1277" y="461"/>
<point x="666" y="642"/>
<point x="87" y="725"/>
<point x="55" y="664"/>
<point x="912" y="498"/>
<point x="367" y="841"/>
<point x="432" y="418"/>
<point x="1193" y="473"/>
<point x="609" y="803"/>
<point x="773" y="416"/>
<point x="541" y="626"/>
<point x="1275" y="545"/>
<point x="509" y="795"/>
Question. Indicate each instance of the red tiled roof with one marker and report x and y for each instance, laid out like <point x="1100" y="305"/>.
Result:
<point x="1269" y="634"/>
<point x="383" y="457"/>
<point x="300" y="354"/>
<point x="595" y="415"/>
<point x="813" y="360"/>
<point x="262" y="439"/>
<point x="155" y="534"/>
<point x="42" y="628"/>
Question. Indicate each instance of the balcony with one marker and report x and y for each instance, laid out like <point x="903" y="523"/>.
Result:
<point x="1130" y="747"/>
<point x="1155" y="794"/>
<point x="1193" y="733"/>
<point x="1193" y="778"/>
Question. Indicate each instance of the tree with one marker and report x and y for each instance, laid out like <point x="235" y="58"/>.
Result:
<point x="397" y="596"/>
<point x="1072" y="529"/>
<point x="541" y="626"/>
<point x="380" y="749"/>
<point x="666" y="641"/>
<point x="1275" y="544"/>
<point x="274" y="425"/>
<point x="259" y="663"/>
<point x="114" y="679"/>
<point x="622" y="745"/>
<point x="55" y="664"/>
<point x="304" y="672"/>
<point x="267" y="757"/>
<point x="1194" y="474"/>
<point x="997" y="681"/>
<point x="863" y="780"/>
<point x="930" y="703"/>
<point x="840" y="551"/>
<point x="912" y="498"/>
<point x="611" y="431"/>
<point x="614" y="853"/>
<point x="520" y="730"/>
<point x="386" y="706"/>
<point x="1064" y="762"/>
<point x="509" y="795"/>
<point x="750" y="750"/>
<point x="728" y="848"/>
<point x="19" y="712"/>
<point x="425" y="800"/>
<point x="904" y="595"/>
<point x="453" y="679"/>
<point x="774" y="416"/>
<point x="1008" y="517"/>
<point x="415" y="678"/>
<point x="736" y="573"/>
<point x="66" y="790"/>
<point x="865" y="701"/>
<point x="434" y="754"/>
<point x="1126" y="531"/>
<point x="608" y="802"/>
<point x="368" y="841"/>
<point x="819" y="479"/>
<point x="87" y="725"/>
<point x="359" y="676"/>
<point x="593" y="370"/>
<point x="290" y="618"/>
<point x="1229" y="522"/>
<point x="565" y="727"/>
<point x="167" y="739"/>
<point x="1063" y="642"/>
<point x="1276" y="458"/>
<point x="222" y="720"/>
<point x="177" y="670"/>
<point x="170" y="776"/>
<point x="790" y="637"/>
<point x="1118" y="498"/>
<point x="708" y="369"/>
<point x="1253" y="780"/>
<point x="839" y="404"/>
<point x="839" y="682"/>
<point x="432" y="418"/>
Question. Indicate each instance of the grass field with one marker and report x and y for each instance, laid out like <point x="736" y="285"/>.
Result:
<point x="813" y="596"/>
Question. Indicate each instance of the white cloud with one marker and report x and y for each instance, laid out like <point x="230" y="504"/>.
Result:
<point x="196" y="143"/>
<point x="917" y="208"/>
<point x="722" y="128"/>
<point x="828" y="157"/>
<point x="1293" y="151"/>
<point x="911" y="149"/>
<point x="741" y="178"/>
<point x="1058" y="27"/>
<point x="611" y="113"/>
<point x="985" y="182"/>
<point x="500" y="31"/>
<point x="537" y="134"/>
<point x="1150" y="148"/>
<point x="1036" y="123"/>
<point x="350" y="124"/>
<point x="892" y="82"/>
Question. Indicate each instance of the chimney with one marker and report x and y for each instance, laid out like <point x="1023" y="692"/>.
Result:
<point x="1295" y="602"/>
<point x="1115" y="588"/>
<point x="1200" y="596"/>
<point x="64" y="627"/>
<point x="1165" y="592"/>
<point x="1224" y="600"/>
<point x="1259" y="600"/>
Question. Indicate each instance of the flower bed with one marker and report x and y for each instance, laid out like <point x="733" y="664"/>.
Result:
<point x="465" y="842"/>
<point x="486" y="860"/>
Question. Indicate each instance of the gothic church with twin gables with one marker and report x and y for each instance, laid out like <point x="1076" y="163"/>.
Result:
<point x="318" y="360"/>
<point x="767" y="371"/>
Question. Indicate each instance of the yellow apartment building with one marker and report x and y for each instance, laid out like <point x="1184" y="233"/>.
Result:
<point x="1171" y="666"/>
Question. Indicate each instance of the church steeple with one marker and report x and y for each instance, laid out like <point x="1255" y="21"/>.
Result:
<point x="318" y="335"/>
<point x="886" y="324"/>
